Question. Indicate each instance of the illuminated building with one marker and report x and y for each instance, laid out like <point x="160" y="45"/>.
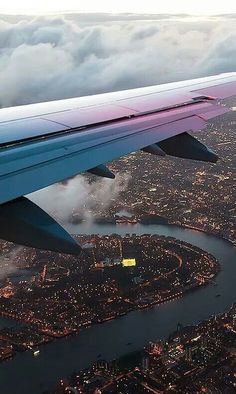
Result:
<point x="234" y="322"/>
<point x="44" y="273"/>
<point x="99" y="265"/>
<point x="7" y="291"/>
<point x="129" y="262"/>
<point x="203" y="342"/>
<point x="156" y="348"/>
<point x="188" y="354"/>
<point x="120" y="248"/>
<point x="145" y="364"/>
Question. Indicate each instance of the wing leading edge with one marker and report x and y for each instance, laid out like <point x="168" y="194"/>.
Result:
<point x="45" y="143"/>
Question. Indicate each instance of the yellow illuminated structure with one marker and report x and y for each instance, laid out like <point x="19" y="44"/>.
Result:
<point x="129" y="262"/>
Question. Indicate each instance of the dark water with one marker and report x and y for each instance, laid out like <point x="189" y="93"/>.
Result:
<point x="27" y="374"/>
<point x="22" y="275"/>
<point x="5" y="322"/>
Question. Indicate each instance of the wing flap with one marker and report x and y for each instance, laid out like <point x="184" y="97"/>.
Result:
<point x="156" y="101"/>
<point x="90" y="116"/>
<point x="20" y="130"/>
<point x="217" y="111"/>
<point x="220" y="91"/>
<point x="40" y="150"/>
<point x="36" y="128"/>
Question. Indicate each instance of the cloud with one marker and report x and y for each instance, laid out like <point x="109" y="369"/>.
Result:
<point x="78" y="195"/>
<point x="223" y="55"/>
<point x="8" y="262"/>
<point x="48" y="58"/>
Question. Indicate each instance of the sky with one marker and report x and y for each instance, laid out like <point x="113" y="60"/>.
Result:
<point x="201" y="7"/>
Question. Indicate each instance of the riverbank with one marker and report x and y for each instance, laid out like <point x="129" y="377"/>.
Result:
<point x="193" y="267"/>
<point x="57" y="336"/>
<point x="205" y="232"/>
<point x="146" y="220"/>
<point x="186" y="356"/>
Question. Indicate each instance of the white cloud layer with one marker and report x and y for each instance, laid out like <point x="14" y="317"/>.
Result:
<point x="49" y="58"/>
<point x="8" y="261"/>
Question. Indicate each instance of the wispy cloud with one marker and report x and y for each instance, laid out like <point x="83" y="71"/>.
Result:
<point x="78" y="195"/>
<point x="8" y="262"/>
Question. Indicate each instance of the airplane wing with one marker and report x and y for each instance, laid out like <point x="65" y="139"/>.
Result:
<point x="45" y="143"/>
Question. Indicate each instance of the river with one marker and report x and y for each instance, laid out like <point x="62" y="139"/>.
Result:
<point x="27" y="374"/>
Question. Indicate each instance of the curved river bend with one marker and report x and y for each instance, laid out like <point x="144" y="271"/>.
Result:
<point x="25" y="374"/>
